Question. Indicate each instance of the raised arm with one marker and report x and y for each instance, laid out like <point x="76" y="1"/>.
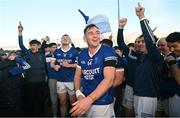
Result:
<point x="20" y="40"/>
<point x="153" y="52"/>
<point x="45" y="40"/>
<point x="120" y="36"/>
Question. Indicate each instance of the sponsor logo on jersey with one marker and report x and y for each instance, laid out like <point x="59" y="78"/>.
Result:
<point x="90" y="62"/>
<point x="64" y="54"/>
<point x="90" y="73"/>
<point x="83" y="62"/>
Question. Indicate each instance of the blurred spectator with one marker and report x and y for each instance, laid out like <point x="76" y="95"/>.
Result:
<point x="11" y="85"/>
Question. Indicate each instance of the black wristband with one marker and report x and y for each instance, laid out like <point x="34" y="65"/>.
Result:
<point x="170" y="63"/>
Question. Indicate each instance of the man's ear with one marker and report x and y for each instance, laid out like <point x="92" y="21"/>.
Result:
<point x="84" y="39"/>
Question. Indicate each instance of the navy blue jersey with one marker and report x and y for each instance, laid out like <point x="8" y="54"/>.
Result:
<point x="92" y="72"/>
<point x="66" y="74"/>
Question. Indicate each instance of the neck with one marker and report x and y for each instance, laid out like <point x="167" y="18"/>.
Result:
<point x="65" y="47"/>
<point x="93" y="50"/>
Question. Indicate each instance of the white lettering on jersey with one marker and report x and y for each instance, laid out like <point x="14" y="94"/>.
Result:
<point x="89" y="74"/>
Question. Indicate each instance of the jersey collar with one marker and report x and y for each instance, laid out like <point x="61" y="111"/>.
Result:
<point x="91" y="55"/>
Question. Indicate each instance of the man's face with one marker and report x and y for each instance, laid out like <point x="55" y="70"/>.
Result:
<point x="175" y="47"/>
<point x="162" y="46"/>
<point x="65" y="40"/>
<point x="140" y="45"/>
<point x="34" y="47"/>
<point x="12" y="56"/>
<point x="118" y="52"/>
<point x="47" y="49"/>
<point x="92" y="37"/>
<point x="53" y="48"/>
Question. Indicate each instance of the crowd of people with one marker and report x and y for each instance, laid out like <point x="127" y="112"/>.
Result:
<point x="141" y="79"/>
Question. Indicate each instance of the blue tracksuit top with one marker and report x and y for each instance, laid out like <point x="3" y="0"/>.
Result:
<point x="148" y="71"/>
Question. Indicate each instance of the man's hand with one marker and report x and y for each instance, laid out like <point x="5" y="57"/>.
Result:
<point x="20" y="27"/>
<point x="65" y="63"/>
<point x="140" y="11"/>
<point x="12" y="57"/>
<point x="122" y="22"/>
<point x="81" y="106"/>
<point x="46" y="38"/>
<point x="111" y="36"/>
<point x="56" y="67"/>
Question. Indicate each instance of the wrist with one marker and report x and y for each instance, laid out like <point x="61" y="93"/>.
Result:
<point x="92" y="98"/>
<point x="78" y="93"/>
<point x="142" y="18"/>
<point x="20" y="34"/>
<point x="52" y="66"/>
<point x="121" y="27"/>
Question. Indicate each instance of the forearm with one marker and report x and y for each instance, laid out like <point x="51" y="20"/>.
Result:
<point x="101" y="89"/>
<point x="72" y="65"/>
<point x="22" y="63"/>
<point x="19" y="69"/>
<point x="43" y="45"/>
<point x="77" y="79"/>
<point x="77" y="82"/>
<point x="121" y="43"/>
<point x="150" y="41"/>
<point x="23" y="48"/>
<point x="16" y="70"/>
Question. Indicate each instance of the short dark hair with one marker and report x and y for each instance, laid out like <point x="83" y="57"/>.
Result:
<point x="117" y="47"/>
<point x="65" y="35"/>
<point x="3" y="53"/>
<point x="46" y="46"/>
<point x="155" y="37"/>
<point x="89" y="27"/>
<point x="78" y="49"/>
<point x="34" y="41"/>
<point x="12" y="53"/>
<point x="173" y="37"/>
<point x="130" y="45"/>
<point x="107" y="42"/>
<point x="51" y="44"/>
